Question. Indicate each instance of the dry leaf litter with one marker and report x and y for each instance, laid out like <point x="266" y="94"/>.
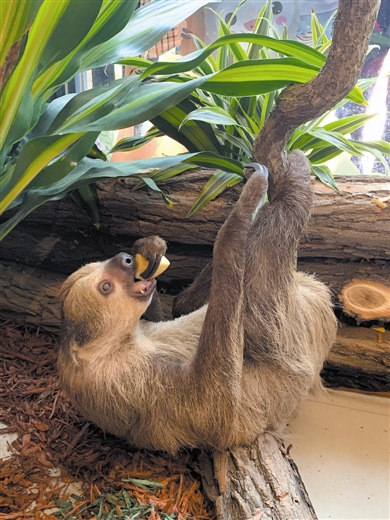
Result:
<point x="56" y="448"/>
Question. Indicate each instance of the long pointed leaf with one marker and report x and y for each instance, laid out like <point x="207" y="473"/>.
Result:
<point x="214" y="115"/>
<point x="288" y="47"/>
<point x="142" y="103"/>
<point x="253" y="77"/>
<point x="54" y="32"/>
<point x="214" y="186"/>
<point x="142" y="32"/>
<point x="113" y="17"/>
<point x="343" y="126"/>
<point x="261" y="27"/>
<point x="34" y="157"/>
<point x="324" y="174"/>
<point x="87" y="198"/>
<point x="92" y="105"/>
<point x="15" y="17"/>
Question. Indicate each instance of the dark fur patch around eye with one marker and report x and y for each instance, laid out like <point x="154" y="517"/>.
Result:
<point x="80" y="333"/>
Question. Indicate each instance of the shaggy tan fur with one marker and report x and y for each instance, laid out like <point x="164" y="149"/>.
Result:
<point x="224" y="373"/>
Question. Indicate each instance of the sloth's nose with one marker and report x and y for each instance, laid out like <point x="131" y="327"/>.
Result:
<point x="124" y="260"/>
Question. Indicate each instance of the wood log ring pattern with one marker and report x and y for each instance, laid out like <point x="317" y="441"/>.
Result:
<point x="367" y="300"/>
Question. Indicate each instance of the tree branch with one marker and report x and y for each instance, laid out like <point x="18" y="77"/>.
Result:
<point x="298" y="104"/>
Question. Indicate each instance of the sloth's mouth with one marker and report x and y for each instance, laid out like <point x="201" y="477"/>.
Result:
<point x="143" y="289"/>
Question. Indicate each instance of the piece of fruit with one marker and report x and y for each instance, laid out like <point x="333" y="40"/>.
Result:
<point x="142" y="264"/>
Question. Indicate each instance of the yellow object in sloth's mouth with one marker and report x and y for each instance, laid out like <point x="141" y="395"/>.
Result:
<point x="142" y="264"/>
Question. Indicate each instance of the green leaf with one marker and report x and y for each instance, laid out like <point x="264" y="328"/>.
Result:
<point x="378" y="149"/>
<point x="36" y="154"/>
<point x="152" y="185"/>
<point x="141" y="103"/>
<point x="324" y="154"/>
<point x="58" y="27"/>
<point x="336" y="139"/>
<point x="61" y="167"/>
<point x="15" y="17"/>
<point x="288" y="47"/>
<point x="96" y="153"/>
<point x="214" y="186"/>
<point x="195" y="136"/>
<point x="324" y="174"/>
<point x="165" y="173"/>
<point x="86" y="197"/>
<point x="344" y="126"/>
<point x="238" y="142"/>
<point x="348" y="124"/>
<point x="262" y="26"/>
<point x="113" y="17"/>
<point x="318" y="33"/>
<point x="235" y="48"/>
<point x="380" y="145"/>
<point x="133" y="142"/>
<point x="142" y="32"/>
<point x="92" y="105"/>
<point x="211" y="160"/>
<point x="212" y="115"/>
<point x="253" y="77"/>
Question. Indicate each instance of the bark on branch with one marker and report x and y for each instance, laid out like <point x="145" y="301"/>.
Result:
<point x="299" y="104"/>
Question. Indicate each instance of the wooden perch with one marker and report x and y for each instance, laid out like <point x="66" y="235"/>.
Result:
<point x="259" y="482"/>
<point x="366" y="300"/>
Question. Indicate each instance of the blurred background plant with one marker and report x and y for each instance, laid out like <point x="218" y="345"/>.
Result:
<point x="213" y="101"/>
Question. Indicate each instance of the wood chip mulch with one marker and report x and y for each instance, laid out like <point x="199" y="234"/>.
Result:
<point x="56" y="447"/>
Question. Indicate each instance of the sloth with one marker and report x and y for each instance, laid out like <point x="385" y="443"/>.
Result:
<point x="221" y="375"/>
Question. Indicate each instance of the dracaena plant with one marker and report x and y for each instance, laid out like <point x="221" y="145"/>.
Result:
<point x="47" y="149"/>
<point x="242" y="84"/>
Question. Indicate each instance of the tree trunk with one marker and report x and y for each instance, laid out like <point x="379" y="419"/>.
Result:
<point x="258" y="482"/>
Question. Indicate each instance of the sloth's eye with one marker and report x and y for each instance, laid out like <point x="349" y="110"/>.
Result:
<point x="105" y="287"/>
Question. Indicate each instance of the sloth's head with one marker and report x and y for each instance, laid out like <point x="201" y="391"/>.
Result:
<point x="103" y="299"/>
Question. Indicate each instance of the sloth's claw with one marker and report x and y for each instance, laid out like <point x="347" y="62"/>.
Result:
<point x="153" y="265"/>
<point x="257" y="168"/>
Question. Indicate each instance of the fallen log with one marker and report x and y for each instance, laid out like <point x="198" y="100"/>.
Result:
<point x="28" y="295"/>
<point x="296" y="104"/>
<point x="360" y="359"/>
<point x="347" y="226"/>
<point x="347" y="237"/>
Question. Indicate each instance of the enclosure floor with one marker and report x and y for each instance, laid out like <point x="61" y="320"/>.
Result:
<point x="341" y="446"/>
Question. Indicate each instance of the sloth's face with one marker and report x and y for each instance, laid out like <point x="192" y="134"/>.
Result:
<point x="104" y="297"/>
<point x="118" y="274"/>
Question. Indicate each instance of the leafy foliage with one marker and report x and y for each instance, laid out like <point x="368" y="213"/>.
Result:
<point x="44" y="145"/>
<point x="227" y="112"/>
<point x="213" y="101"/>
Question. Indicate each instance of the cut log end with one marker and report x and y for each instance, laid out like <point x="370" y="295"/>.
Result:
<point x="366" y="300"/>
